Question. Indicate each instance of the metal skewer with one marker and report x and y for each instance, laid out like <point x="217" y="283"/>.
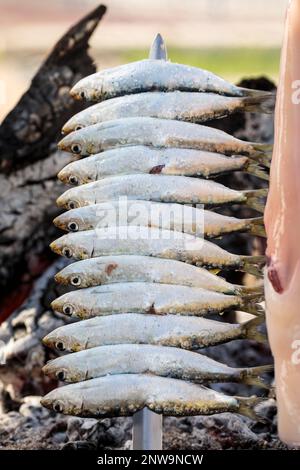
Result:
<point x="147" y="426"/>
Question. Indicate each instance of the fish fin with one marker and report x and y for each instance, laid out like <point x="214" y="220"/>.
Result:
<point x="214" y="271"/>
<point x="254" y="169"/>
<point x="257" y="227"/>
<point x="247" y="405"/>
<point x="253" y="264"/>
<point x="253" y="375"/>
<point x="250" y="331"/>
<point x="254" y="199"/>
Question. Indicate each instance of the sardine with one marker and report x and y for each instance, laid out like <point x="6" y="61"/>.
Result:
<point x="153" y="75"/>
<point x="124" y="395"/>
<point x="160" y="133"/>
<point x="145" y="241"/>
<point x="182" y="106"/>
<point x="169" y="330"/>
<point x="178" y="217"/>
<point x="147" y="297"/>
<point x="149" y="359"/>
<point x="117" y="269"/>
<point x="160" y="188"/>
<point x="141" y="159"/>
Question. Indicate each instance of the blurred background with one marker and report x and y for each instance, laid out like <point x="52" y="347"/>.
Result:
<point x="233" y="38"/>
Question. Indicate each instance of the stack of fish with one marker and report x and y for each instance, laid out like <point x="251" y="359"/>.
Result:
<point x="145" y="286"/>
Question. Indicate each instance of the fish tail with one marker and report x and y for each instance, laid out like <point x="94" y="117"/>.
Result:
<point x="260" y="103"/>
<point x="253" y="264"/>
<point x="247" y="405"/>
<point x="262" y="153"/>
<point x="251" y="290"/>
<point x="254" y="169"/>
<point x="253" y="375"/>
<point x="255" y="199"/>
<point x="257" y="227"/>
<point x="249" y="303"/>
<point x="250" y="330"/>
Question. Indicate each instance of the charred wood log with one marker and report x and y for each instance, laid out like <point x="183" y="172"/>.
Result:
<point x="29" y="161"/>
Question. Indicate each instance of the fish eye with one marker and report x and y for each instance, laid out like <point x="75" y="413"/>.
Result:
<point x="72" y="205"/>
<point x="68" y="309"/>
<point x="73" y="179"/>
<point x="73" y="226"/>
<point x="67" y="252"/>
<point x="82" y="94"/>
<point x="60" y="375"/>
<point x="58" y="406"/>
<point x="75" y="281"/>
<point x="60" y="346"/>
<point x="78" y="127"/>
<point x="76" y="148"/>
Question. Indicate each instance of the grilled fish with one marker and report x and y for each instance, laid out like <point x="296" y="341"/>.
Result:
<point x="160" y="133"/>
<point x="169" y="330"/>
<point x="182" y="106"/>
<point x="118" y="269"/>
<point x="182" y="218"/>
<point x="160" y="188"/>
<point x="153" y="75"/>
<point x="124" y="395"/>
<point x="147" y="297"/>
<point x="145" y="241"/>
<point x="144" y="359"/>
<point x="168" y="161"/>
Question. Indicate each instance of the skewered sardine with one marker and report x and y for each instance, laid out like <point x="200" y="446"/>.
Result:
<point x="160" y="133"/>
<point x="168" y="161"/>
<point x="147" y="297"/>
<point x="168" y="330"/>
<point x="160" y="188"/>
<point x="144" y="241"/>
<point x="143" y="359"/>
<point x="153" y="75"/>
<point x="183" y="106"/>
<point x="124" y="395"/>
<point x="182" y="218"/>
<point x="118" y="269"/>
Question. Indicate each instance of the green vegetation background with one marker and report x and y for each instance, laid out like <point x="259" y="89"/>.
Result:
<point x="232" y="64"/>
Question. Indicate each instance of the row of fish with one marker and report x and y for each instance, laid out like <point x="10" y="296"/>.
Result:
<point x="142" y="290"/>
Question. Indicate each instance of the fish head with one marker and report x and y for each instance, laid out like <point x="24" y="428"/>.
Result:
<point x="71" y="199"/>
<point x="78" y="172"/>
<point x="88" y="88"/>
<point x="74" y="245"/>
<point x="75" y="275"/>
<point x="62" y="340"/>
<point x="72" y="304"/>
<point x="73" y="124"/>
<point x="64" y="400"/>
<point x="73" y="220"/>
<point x="64" y="369"/>
<point x="78" y="142"/>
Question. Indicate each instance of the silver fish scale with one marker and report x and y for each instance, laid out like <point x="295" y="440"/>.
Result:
<point x="141" y="301"/>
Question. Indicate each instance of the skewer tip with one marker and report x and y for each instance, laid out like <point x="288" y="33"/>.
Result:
<point x="158" y="49"/>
